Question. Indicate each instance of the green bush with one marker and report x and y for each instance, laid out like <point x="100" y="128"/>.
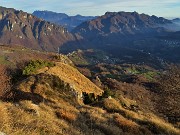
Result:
<point x="33" y="66"/>
<point x="90" y="97"/>
<point x="150" y="75"/>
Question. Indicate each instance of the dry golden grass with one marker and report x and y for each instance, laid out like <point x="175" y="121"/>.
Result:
<point x="129" y="126"/>
<point x="112" y="105"/>
<point x="65" y="114"/>
<point x="125" y="102"/>
<point x="52" y="84"/>
<point x="63" y="118"/>
<point x="26" y="84"/>
<point x="4" y="118"/>
<point x="98" y="121"/>
<point x="59" y="112"/>
<point x="125" y="124"/>
<point x="154" y="123"/>
<point x="19" y="119"/>
<point x="161" y="125"/>
<point x="5" y="84"/>
<point x="73" y="77"/>
<point x="95" y="114"/>
<point x="109" y="128"/>
<point x="178" y="124"/>
<point x="136" y="116"/>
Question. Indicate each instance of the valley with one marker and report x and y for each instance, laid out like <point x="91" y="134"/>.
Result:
<point x="115" y="74"/>
<point x="131" y="94"/>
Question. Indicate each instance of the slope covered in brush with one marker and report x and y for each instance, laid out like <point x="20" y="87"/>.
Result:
<point x="49" y="100"/>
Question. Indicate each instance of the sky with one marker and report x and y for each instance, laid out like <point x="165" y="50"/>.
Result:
<point x="164" y="8"/>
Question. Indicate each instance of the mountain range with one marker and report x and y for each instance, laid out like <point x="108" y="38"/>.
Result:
<point x="112" y="32"/>
<point x="120" y="28"/>
<point x="130" y="34"/>
<point x="70" y="22"/>
<point x="20" y="28"/>
<point x="118" y="74"/>
<point x="122" y="23"/>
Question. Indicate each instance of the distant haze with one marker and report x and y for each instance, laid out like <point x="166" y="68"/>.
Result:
<point x="175" y="26"/>
<point x="164" y="8"/>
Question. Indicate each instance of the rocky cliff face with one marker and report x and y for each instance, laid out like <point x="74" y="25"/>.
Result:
<point x="115" y="30"/>
<point x="121" y="23"/>
<point x="20" y="28"/>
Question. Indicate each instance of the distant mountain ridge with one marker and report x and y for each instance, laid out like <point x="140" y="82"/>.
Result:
<point x="119" y="33"/>
<point x="70" y="22"/>
<point x="120" y="29"/>
<point x="121" y="23"/>
<point x="130" y="34"/>
<point x="20" y="28"/>
<point x="176" y="19"/>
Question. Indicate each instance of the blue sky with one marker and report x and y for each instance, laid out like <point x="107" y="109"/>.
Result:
<point x="165" y="8"/>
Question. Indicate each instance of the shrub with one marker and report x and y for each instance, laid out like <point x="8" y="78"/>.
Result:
<point x="33" y="66"/>
<point x="89" y="98"/>
<point x="107" y="93"/>
<point x="150" y="75"/>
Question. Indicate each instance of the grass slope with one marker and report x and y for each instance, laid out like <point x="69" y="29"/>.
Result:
<point x="43" y="103"/>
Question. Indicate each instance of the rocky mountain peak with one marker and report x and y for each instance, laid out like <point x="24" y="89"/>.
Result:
<point x="21" y="28"/>
<point x="121" y="22"/>
<point x="70" y="22"/>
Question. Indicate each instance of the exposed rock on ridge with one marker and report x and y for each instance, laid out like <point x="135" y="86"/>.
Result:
<point x="20" y="28"/>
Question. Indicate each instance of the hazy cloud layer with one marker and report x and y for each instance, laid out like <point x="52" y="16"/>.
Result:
<point x="174" y="27"/>
<point x="167" y="8"/>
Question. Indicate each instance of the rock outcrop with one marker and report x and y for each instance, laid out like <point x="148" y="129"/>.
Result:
<point x="21" y="28"/>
